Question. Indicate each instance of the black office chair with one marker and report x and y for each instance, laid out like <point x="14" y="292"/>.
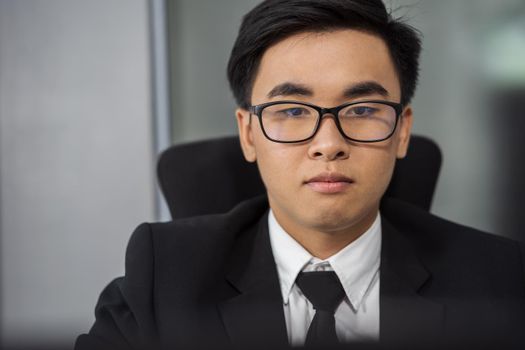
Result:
<point x="211" y="176"/>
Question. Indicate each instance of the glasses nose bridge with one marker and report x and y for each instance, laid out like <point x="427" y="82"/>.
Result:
<point x="329" y="113"/>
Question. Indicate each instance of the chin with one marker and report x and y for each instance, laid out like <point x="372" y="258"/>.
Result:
<point x="333" y="219"/>
<point x="330" y="221"/>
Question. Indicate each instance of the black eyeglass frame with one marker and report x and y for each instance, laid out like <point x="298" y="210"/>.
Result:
<point x="334" y="112"/>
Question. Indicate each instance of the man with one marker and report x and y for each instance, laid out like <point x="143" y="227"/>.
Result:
<point x="324" y="91"/>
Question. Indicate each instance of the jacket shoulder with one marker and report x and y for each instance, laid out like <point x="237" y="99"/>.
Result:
<point x="198" y="230"/>
<point x="420" y="225"/>
<point x="459" y="254"/>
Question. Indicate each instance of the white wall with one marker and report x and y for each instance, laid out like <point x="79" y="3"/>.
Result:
<point x="76" y="158"/>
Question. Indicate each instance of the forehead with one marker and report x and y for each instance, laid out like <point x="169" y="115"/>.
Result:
<point x="326" y="62"/>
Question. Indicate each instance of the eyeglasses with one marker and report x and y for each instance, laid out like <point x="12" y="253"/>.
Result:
<point x="363" y="121"/>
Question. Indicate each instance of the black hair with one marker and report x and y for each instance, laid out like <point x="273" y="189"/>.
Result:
<point x="274" y="20"/>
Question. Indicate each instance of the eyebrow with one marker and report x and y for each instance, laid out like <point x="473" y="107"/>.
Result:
<point x="365" y="88"/>
<point x="357" y="90"/>
<point x="289" y="89"/>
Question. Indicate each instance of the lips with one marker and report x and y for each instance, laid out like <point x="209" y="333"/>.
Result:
<point x="329" y="183"/>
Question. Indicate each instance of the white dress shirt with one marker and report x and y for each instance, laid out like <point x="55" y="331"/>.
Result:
<point x="356" y="266"/>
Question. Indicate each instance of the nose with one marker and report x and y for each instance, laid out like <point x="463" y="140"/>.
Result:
<point x="328" y="144"/>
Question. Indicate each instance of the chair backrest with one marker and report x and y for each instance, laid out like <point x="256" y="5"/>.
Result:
<point x="211" y="176"/>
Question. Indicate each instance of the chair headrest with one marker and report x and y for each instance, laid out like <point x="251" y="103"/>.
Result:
<point x="211" y="176"/>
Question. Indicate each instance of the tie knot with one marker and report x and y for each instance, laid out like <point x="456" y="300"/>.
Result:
<point x="323" y="289"/>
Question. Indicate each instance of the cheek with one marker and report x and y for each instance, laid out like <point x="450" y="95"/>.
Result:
<point x="278" y="164"/>
<point x="375" y="167"/>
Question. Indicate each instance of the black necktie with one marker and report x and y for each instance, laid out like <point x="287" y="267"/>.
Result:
<point x="324" y="290"/>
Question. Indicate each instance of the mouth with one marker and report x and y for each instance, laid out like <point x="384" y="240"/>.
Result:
<point x="329" y="183"/>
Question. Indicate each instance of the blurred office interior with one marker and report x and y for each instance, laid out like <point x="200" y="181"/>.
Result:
<point x="91" y="91"/>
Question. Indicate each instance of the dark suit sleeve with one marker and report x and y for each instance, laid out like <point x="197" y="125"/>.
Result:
<point x="124" y="312"/>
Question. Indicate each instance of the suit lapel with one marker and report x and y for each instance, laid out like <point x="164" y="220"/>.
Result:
<point x="255" y="316"/>
<point x="405" y="315"/>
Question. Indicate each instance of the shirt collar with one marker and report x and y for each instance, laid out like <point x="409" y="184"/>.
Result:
<point x="356" y="265"/>
<point x="290" y="256"/>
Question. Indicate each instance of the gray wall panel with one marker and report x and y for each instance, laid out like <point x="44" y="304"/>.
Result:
<point x="76" y="159"/>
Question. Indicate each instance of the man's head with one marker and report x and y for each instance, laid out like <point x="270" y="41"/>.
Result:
<point x="273" y="20"/>
<point x="325" y="53"/>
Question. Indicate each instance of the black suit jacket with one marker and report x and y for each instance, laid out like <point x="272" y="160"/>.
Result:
<point x="211" y="281"/>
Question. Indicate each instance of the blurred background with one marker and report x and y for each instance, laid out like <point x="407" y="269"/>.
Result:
<point x="92" y="91"/>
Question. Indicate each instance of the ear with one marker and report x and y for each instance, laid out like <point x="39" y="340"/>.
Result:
<point x="405" y="128"/>
<point x="244" y="125"/>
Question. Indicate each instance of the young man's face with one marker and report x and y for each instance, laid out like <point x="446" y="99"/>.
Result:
<point x="325" y="65"/>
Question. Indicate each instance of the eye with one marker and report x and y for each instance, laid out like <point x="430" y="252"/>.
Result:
<point x="361" y="111"/>
<point x="295" y="112"/>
